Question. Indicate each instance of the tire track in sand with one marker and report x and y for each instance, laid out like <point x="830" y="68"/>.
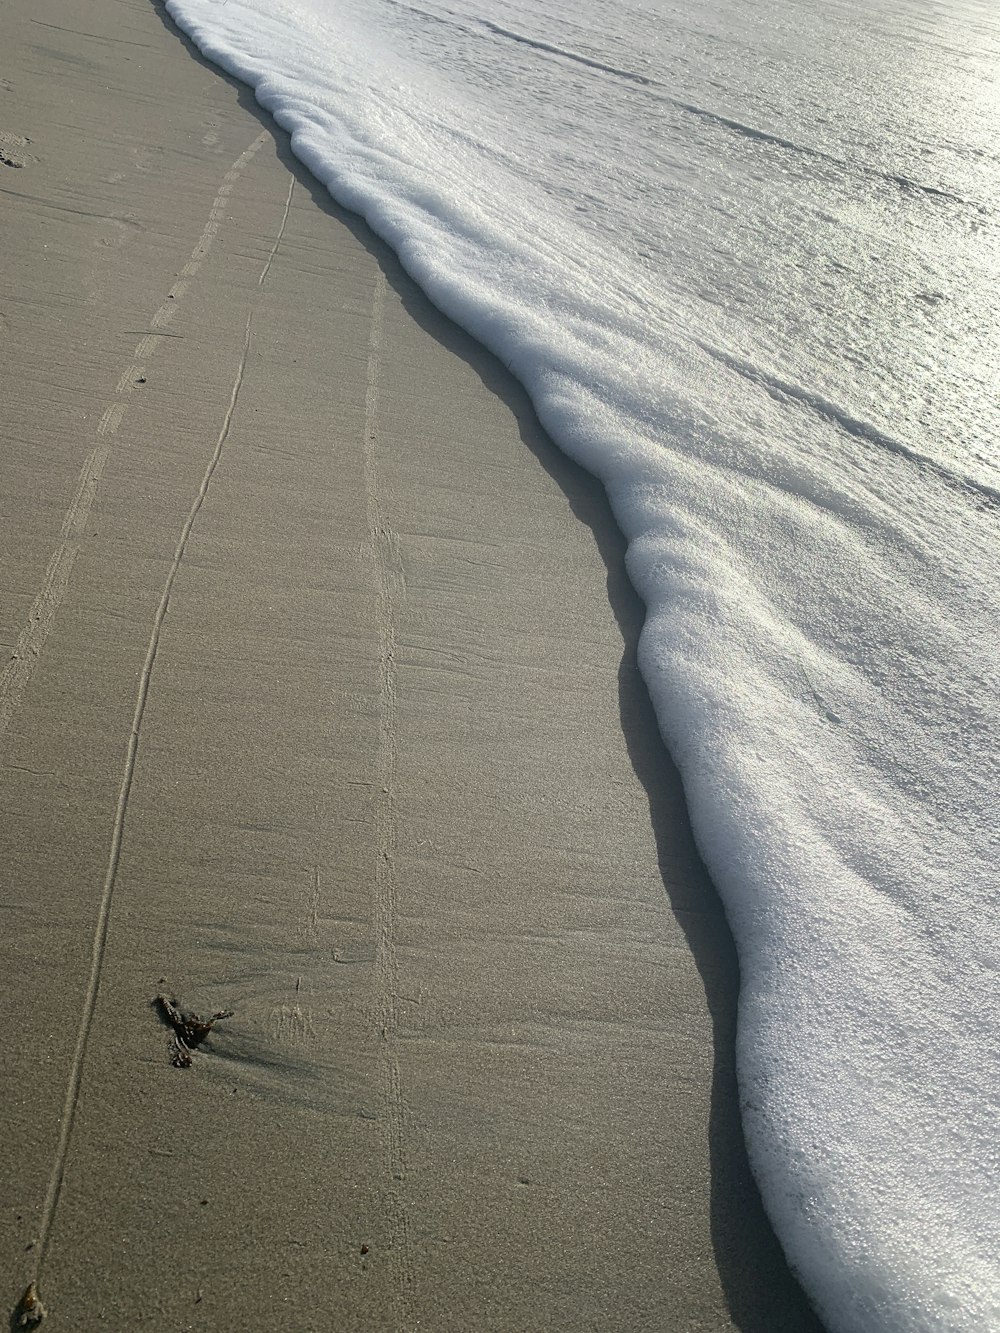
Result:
<point x="100" y="939"/>
<point x="41" y="617"/>
<point x="30" y="1303"/>
<point x="387" y="578"/>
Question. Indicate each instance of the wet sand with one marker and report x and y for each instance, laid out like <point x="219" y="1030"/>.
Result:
<point x="320" y="705"/>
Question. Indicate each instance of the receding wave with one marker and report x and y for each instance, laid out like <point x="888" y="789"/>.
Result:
<point x="757" y="135"/>
<point x="553" y="50"/>
<point x="851" y="425"/>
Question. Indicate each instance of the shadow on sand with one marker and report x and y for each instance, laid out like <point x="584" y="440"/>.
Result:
<point x="762" y="1294"/>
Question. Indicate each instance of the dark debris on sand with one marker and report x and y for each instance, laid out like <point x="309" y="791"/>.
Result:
<point x="190" y="1030"/>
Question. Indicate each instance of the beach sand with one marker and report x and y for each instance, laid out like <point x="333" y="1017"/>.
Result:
<point x="320" y="706"/>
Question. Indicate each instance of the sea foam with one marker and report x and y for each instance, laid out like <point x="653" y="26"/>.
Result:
<point x="746" y="264"/>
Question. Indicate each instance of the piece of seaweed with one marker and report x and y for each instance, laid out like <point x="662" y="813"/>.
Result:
<point x="190" y="1030"/>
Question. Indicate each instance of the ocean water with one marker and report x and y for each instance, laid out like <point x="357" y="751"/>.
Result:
<point x="745" y="257"/>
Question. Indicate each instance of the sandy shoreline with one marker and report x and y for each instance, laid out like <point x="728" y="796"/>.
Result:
<point x="395" y="797"/>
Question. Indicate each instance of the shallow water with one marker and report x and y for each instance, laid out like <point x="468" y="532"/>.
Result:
<point x="745" y="260"/>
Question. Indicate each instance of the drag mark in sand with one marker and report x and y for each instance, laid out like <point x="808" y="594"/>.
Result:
<point x="18" y="671"/>
<point x="388" y="582"/>
<point x="99" y="944"/>
<point x="281" y="231"/>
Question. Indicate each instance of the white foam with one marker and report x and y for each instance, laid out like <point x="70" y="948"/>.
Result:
<point x="747" y="272"/>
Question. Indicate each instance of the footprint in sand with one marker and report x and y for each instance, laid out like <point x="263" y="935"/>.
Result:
<point x="291" y="1024"/>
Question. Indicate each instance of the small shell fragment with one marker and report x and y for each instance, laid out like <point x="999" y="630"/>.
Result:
<point x="30" y="1310"/>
